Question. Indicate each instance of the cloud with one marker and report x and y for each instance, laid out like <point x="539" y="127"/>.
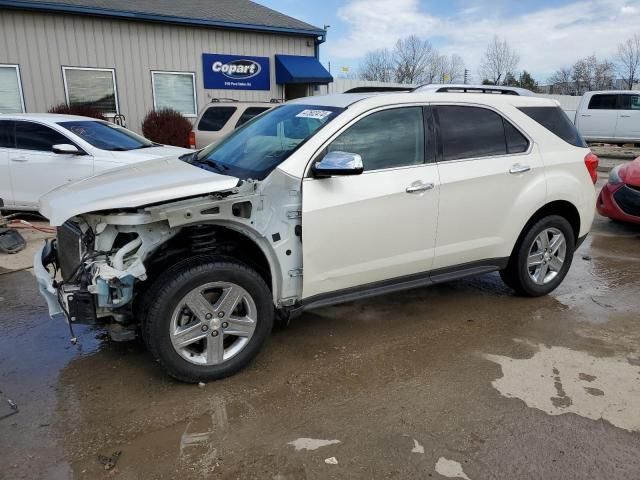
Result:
<point x="546" y="39"/>
<point x="378" y="24"/>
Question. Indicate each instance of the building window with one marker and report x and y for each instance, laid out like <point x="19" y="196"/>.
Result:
<point x="92" y="87"/>
<point x="11" y="98"/>
<point x="175" y="90"/>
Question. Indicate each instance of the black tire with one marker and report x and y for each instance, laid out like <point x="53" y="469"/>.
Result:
<point x="163" y="297"/>
<point x="516" y="275"/>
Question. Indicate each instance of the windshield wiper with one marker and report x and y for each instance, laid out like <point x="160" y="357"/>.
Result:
<point x="218" y="166"/>
<point x="208" y="164"/>
<point x="190" y="157"/>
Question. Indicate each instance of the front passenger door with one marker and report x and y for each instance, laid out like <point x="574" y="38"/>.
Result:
<point x="35" y="169"/>
<point x="380" y="225"/>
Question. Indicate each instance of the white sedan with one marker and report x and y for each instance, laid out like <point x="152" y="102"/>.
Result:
<point x="39" y="152"/>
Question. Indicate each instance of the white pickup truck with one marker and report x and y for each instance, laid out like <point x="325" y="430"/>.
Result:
<point x="609" y="116"/>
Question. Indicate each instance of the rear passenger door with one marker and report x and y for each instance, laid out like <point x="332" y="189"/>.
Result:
<point x="628" y="126"/>
<point x="35" y="169"/>
<point x="7" y="142"/>
<point x="598" y="121"/>
<point x="486" y="166"/>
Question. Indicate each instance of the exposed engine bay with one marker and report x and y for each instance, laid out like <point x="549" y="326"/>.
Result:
<point x="102" y="263"/>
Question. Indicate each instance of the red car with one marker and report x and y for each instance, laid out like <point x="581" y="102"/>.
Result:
<point x="620" y="197"/>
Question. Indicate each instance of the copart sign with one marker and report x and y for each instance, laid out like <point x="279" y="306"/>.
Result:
<point x="235" y="72"/>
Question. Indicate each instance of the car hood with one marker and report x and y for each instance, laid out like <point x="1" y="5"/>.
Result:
<point x="630" y="173"/>
<point x="132" y="186"/>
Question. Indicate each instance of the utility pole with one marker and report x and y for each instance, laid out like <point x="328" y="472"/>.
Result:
<point x="466" y="75"/>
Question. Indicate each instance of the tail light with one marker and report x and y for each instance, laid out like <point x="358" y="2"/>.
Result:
<point x="192" y="140"/>
<point x="591" y="161"/>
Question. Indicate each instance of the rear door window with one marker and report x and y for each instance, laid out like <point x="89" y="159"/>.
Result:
<point x="603" y="102"/>
<point x="7" y="139"/>
<point x="249" y="113"/>
<point x="34" y="136"/>
<point x="470" y="132"/>
<point x="215" y="118"/>
<point x="630" y="101"/>
<point x="557" y="122"/>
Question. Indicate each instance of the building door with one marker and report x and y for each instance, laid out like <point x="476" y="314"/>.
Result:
<point x="295" y="90"/>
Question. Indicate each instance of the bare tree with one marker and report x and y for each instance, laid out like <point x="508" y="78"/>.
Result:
<point x="411" y="57"/>
<point x="562" y="81"/>
<point x="378" y="66"/>
<point x="603" y="75"/>
<point x="589" y="73"/>
<point x="435" y="67"/>
<point x="628" y="58"/>
<point x="453" y="69"/>
<point x="498" y="61"/>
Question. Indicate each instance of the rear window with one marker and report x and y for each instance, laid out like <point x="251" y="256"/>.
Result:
<point x="556" y="121"/>
<point x="249" y="113"/>
<point x="215" y="118"/>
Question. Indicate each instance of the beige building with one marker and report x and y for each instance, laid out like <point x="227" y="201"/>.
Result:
<point x="130" y="56"/>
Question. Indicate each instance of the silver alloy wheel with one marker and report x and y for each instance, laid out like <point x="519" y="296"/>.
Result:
<point x="213" y="323"/>
<point x="546" y="256"/>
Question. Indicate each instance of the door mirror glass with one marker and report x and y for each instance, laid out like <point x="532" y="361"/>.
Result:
<point x="66" y="149"/>
<point x="338" y="163"/>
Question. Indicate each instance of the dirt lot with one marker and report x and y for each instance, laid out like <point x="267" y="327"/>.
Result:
<point x="462" y="380"/>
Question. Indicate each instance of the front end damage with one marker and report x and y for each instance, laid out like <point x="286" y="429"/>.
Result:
<point x="101" y="262"/>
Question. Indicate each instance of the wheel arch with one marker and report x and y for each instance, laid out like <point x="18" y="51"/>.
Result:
<point x="225" y="239"/>
<point x="562" y="208"/>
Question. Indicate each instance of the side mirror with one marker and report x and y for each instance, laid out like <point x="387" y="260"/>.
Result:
<point x="66" y="149"/>
<point x="338" y="163"/>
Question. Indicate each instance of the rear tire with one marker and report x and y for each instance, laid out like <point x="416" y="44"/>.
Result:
<point x="207" y="320"/>
<point x="541" y="258"/>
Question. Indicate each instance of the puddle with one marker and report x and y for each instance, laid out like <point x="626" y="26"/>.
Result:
<point x="311" y="443"/>
<point x="558" y="380"/>
<point x="450" y="469"/>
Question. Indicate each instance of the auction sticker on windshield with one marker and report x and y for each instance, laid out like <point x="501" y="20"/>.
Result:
<point x="317" y="114"/>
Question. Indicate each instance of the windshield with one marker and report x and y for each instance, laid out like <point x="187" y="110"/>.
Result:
<point x="107" y="136"/>
<point x="261" y="144"/>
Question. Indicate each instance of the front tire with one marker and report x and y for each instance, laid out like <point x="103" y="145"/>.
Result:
<point x="541" y="258"/>
<point x="206" y="321"/>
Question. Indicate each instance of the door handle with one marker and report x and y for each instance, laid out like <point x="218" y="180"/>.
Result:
<point x="418" y="187"/>
<point x="517" y="168"/>
<point x="585" y="114"/>
<point x="19" y="159"/>
<point x="625" y="116"/>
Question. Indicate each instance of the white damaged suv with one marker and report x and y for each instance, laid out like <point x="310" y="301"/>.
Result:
<point x="318" y="201"/>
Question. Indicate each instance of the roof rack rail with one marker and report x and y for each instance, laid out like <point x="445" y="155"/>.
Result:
<point x="378" y="89"/>
<point x="465" y="88"/>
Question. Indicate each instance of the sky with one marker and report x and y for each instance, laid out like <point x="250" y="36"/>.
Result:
<point x="546" y="34"/>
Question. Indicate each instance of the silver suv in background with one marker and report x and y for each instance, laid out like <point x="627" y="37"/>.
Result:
<point x="223" y="115"/>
